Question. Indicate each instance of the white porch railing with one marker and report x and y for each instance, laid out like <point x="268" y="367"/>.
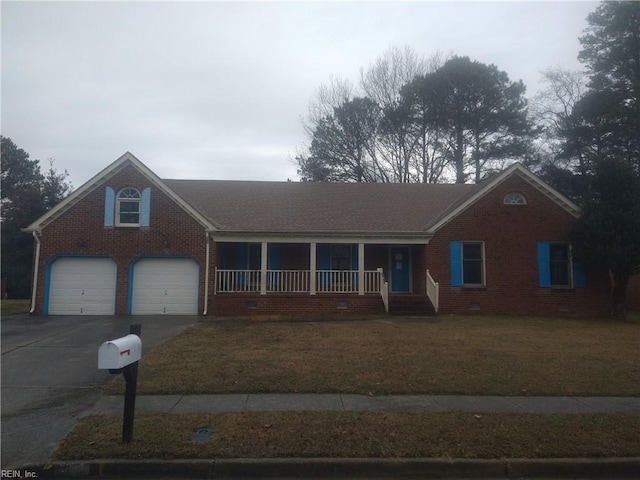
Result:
<point x="433" y="291"/>
<point x="337" y="281"/>
<point x="237" y="281"/>
<point x="346" y="281"/>
<point x="373" y="280"/>
<point x="384" y="290"/>
<point x="298" y="281"/>
<point x="288" y="281"/>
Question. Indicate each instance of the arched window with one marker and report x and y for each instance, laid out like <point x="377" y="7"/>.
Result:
<point x="514" y="198"/>
<point x="128" y="208"/>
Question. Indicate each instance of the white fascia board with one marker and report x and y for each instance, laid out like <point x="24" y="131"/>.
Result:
<point x="550" y="192"/>
<point x="395" y="238"/>
<point x="77" y="194"/>
<point x="526" y="175"/>
<point x="100" y="178"/>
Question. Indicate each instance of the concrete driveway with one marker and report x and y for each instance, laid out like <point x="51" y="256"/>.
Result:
<point x="50" y="375"/>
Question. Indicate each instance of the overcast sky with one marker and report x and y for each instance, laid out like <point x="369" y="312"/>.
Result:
<point x="217" y="90"/>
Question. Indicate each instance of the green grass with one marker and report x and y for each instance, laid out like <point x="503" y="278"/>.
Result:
<point x="363" y="435"/>
<point x="11" y="307"/>
<point x="452" y="355"/>
<point x="462" y="355"/>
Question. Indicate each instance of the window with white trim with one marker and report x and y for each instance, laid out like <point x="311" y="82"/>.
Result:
<point x="559" y="265"/>
<point x="514" y="198"/>
<point x="473" y="263"/>
<point x="128" y="208"/>
<point x="467" y="264"/>
<point x="557" y="268"/>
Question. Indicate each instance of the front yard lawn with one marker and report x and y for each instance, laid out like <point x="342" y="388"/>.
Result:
<point x="350" y="434"/>
<point x="449" y="355"/>
<point x="13" y="306"/>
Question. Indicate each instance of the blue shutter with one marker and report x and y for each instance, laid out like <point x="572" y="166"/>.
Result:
<point x="544" y="265"/>
<point x="455" y="251"/>
<point x="273" y="260"/>
<point x="579" y="278"/>
<point x="109" y="207"/>
<point x="145" y="207"/>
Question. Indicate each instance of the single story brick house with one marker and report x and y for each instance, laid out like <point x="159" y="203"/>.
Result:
<point x="129" y="243"/>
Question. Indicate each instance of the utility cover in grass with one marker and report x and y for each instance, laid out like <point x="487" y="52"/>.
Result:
<point x="202" y="435"/>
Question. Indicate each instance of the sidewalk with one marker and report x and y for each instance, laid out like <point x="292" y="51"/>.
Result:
<point x="316" y="468"/>
<point x="150" y="404"/>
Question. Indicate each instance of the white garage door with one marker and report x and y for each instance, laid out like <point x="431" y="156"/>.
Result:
<point x="82" y="286"/>
<point x="165" y="286"/>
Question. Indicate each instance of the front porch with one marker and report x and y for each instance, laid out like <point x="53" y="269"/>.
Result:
<point x="300" y="281"/>
<point x="321" y="275"/>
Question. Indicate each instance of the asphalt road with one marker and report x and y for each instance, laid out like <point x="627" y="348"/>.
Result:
<point x="50" y="376"/>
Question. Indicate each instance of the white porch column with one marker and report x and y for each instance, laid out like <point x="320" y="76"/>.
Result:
<point x="361" y="269"/>
<point x="312" y="268"/>
<point x="263" y="269"/>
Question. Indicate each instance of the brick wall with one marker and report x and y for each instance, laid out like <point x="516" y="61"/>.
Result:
<point x="80" y="231"/>
<point x="510" y="234"/>
<point x="292" y="305"/>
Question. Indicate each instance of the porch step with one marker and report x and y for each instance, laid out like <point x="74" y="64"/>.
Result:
<point x="410" y="305"/>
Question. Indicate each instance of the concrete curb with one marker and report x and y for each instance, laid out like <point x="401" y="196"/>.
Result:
<point x="347" y="467"/>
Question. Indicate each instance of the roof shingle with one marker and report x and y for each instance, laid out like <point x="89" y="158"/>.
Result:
<point x="289" y="207"/>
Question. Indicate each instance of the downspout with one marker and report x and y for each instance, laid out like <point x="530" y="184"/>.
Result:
<point x="206" y="275"/>
<point x="35" y="273"/>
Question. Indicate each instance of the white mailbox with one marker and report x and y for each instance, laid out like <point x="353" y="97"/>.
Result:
<point x="119" y="353"/>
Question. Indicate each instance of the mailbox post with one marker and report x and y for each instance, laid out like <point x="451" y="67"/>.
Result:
<point x="121" y="356"/>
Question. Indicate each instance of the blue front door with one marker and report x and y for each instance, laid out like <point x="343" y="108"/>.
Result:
<point x="400" y="268"/>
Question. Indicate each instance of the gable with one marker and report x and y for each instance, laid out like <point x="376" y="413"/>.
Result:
<point x="492" y="220"/>
<point x="515" y="172"/>
<point x="135" y="174"/>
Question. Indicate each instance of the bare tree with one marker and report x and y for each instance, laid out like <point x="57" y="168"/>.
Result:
<point x="327" y="97"/>
<point x="414" y="120"/>
<point x="342" y="148"/>
<point x="480" y="113"/>
<point x="430" y="163"/>
<point x="399" y="142"/>
<point x="384" y="77"/>
<point x="552" y="107"/>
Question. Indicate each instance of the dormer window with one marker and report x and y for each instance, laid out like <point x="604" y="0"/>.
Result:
<point x="128" y="208"/>
<point x="514" y="198"/>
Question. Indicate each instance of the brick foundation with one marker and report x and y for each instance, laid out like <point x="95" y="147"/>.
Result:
<point x="292" y="305"/>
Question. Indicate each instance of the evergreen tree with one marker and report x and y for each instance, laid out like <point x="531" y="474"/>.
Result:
<point x="607" y="234"/>
<point x="606" y="121"/>
<point x="26" y="194"/>
<point x="605" y="131"/>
